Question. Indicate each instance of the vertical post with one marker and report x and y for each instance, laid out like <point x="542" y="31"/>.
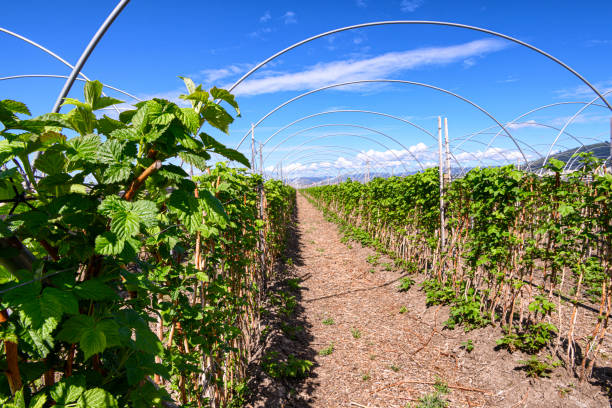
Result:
<point x="611" y="144"/>
<point x="448" y="168"/>
<point x="261" y="169"/>
<point x="441" y="172"/>
<point x="252" y="148"/>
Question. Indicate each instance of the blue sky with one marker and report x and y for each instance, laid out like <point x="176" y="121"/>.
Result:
<point x="153" y="42"/>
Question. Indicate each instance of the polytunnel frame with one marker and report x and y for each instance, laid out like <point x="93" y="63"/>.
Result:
<point x="326" y="155"/>
<point x="358" y="171"/>
<point x="344" y="125"/>
<point x="422" y="129"/>
<point x="313" y="149"/>
<point x="398" y="81"/>
<point x="78" y="67"/>
<point x="423" y="22"/>
<point x="349" y="135"/>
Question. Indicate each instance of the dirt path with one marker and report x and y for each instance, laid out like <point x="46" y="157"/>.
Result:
<point x="388" y="348"/>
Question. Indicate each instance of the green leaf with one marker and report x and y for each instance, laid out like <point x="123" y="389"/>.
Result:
<point x="68" y="390"/>
<point x="125" y="224"/>
<point x="75" y="102"/>
<point x="72" y="330"/>
<point x="51" y="162"/>
<point x="116" y="173"/>
<point x="86" y="147"/>
<point x="70" y="304"/>
<point x="38" y="400"/>
<point x="111" y="332"/>
<point x="146" y="211"/>
<point x="93" y="90"/>
<point x="198" y="160"/>
<point x="111" y="151"/>
<point x="213" y="203"/>
<point x="97" y="398"/>
<point x="93" y="341"/>
<point x="109" y="244"/>
<point x="126" y="134"/>
<point x="107" y="125"/>
<point x="191" y="87"/>
<point x="217" y="117"/>
<point x="15" y="106"/>
<point x="186" y="207"/>
<point x="566" y="209"/>
<point x="104" y="101"/>
<point x="189" y="118"/>
<point x="224" y="95"/>
<point x="94" y="289"/>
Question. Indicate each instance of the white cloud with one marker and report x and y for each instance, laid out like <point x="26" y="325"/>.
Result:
<point x="290" y="17"/>
<point x="266" y="17"/>
<point x="381" y="66"/>
<point x="584" y="91"/>
<point x="361" y="3"/>
<point x="210" y="76"/>
<point x="408" y="6"/>
<point x="469" y="62"/>
<point x="521" y="125"/>
<point x="492" y="153"/>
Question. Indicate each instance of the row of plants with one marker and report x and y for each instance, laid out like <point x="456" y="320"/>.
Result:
<point x="524" y="252"/>
<point x="124" y="280"/>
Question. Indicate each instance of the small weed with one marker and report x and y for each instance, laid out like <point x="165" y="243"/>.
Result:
<point x="291" y="368"/>
<point x="327" y="350"/>
<point x="372" y="270"/>
<point x="294" y="283"/>
<point x="467" y="345"/>
<point x="405" y="284"/>
<point x="291" y="331"/>
<point x="532" y="340"/>
<point x="321" y="249"/>
<point x="395" y="368"/>
<point x="365" y="377"/>
<point x="432" y="401"/>
<point x="440" y="386"/>
<point x="536" y="368"/>
<point x="372" y="357"/>
<point x="388" y="267"/>
<point x="349" y="246"/>
<point x="289" y="262"/>
<point x="356" y="333"/>
<point x="328" y="322"/>
<point x="403" y="310"/>
<point x="373" y="259"/>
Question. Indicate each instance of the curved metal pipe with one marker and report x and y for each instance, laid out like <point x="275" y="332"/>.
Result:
<point x="359" y="111"/>
<point x="346" y="125"/>
<point x="66" y="76"/>
<point x="361" y="137"/>
<point x="389" y="81"/>
<point x="88" y="50"/>
<point x="566" y="125"/>
<point x="530" y="112"/>
<point x="423" y="22"/>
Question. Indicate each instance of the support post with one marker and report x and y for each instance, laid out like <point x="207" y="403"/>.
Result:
<point x="252" y="148"/>
<point x="261" y="169"/>
<point x="441" y="172"/>
<point x="448" y="174"/>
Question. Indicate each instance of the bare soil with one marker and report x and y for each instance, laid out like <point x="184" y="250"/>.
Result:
<point x="389" y="349"/>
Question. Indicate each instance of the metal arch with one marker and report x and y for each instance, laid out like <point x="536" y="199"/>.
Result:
<point x="482" y="132"/>
<point x="88" y="50"/>
<point x="46" y="50"/>
<point x="390" y="81"/>
<point x="66" y="76"/>
<point x="567" y="124"/>
<point x="325" y="150"/>
<point x="40" y="47"/>
<point x="349" y="111"/>
<point x="326" y="155"/>
<point x="423" y="22"/>
<point x="359" y="136"/>
<point x="346" y="125"/>
<point x="358" y="111"/>
<point x="469" y="139"/>
<point x="533" y="111"/>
